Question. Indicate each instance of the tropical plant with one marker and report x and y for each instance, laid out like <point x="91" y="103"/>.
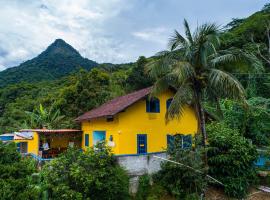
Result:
<point x="93" y="174"/>
<point x="195" y="68"/>
<point x="42" y="117"/>
<point x="231" y="159"/>
<point x="179" y="180"/>
<point x="253" y="123"/>
<point x="15" y="174"/>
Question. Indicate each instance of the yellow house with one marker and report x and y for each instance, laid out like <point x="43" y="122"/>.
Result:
<point x="133" y="124"/>
<point x="46" y="144"/>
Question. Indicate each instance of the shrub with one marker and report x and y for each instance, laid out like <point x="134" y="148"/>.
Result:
<point x="231" y="159"/>
<point x="253" y="122"/>
<point x="179" y="180"/>
<point x="15" y="174"/>
<point x="146" y="191"/>
<point x="143" y="188"/>
<point x="93" y="174"/>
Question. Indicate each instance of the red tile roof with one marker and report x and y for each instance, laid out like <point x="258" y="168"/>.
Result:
<point x="115" y="106"/>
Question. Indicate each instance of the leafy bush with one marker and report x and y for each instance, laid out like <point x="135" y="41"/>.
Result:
<point x="143" y="188"/>
<point x="179" y="180"/>
<point x="231" y="159"/>
<point x="253" y="122"/>
<point x="15" y="174"/>
<point x="147" y="191"/>
<point x="93" y="174"/>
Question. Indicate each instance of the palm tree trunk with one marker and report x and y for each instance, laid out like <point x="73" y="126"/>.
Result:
<point x="200" y="116"/>
<point x="202" y="123"/>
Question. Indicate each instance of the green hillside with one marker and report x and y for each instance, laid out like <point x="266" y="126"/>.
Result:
<point x="58" y="60"/>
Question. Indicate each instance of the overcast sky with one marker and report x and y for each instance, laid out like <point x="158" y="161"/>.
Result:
<point x="114" y="31"/>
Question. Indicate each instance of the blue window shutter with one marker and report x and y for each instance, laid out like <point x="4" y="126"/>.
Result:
<point x="86" y="140"/>
<point x="157" y="105"/>
<point x="170" y="141"/>
<point x="168" y="103"/>
<point x="147" y="105"/>
<point x="187" y="141"/>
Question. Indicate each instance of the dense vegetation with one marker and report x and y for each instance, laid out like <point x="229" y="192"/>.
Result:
<point x="88" y="175"/>
<point x="62" y="82"/>
<point x="179" y="180"/>
<point x="231" y="159"/>
<point x="16" y="175"/>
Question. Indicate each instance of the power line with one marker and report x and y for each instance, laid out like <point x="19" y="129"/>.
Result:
<point x="196" y="170"/>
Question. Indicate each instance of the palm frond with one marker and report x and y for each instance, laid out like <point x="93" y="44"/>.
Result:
<point x="177" y="41"/>
<point x="163" y="84"/>
<point x="225" y="85"/>
<point x="223" y="59"/>
<point x="182" y="98"/>
<point x="235" y="56"/>
<point x="183" y="71"/>
<point x="160" y="67"/>
<point x="203" y="32"/>
<point x="162" y="53"/>
<point x="187" y="31"/>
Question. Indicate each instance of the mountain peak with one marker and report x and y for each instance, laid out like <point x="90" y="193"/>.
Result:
<point x="58" y="60"/>
<point x="59" y="46"/>
<point x="59" y="41"/>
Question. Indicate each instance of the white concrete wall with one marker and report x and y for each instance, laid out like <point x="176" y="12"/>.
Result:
<point x="141" y="164"/>
<point x="138" y="165"/>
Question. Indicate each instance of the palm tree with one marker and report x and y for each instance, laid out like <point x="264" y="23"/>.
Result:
<point x="195" y="68"/>
<point x="42" y="117"/>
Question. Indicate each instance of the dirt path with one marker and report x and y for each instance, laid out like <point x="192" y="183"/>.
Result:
<point x="254" y="194"/>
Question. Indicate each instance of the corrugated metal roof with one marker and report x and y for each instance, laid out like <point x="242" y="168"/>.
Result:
<point x="115" y="106"/>
<point x="7" y="134"/>
<point x="50" y="130"/>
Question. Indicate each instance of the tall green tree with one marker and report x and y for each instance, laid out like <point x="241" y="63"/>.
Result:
<point x="138" y="79"/>
<point x="195" y="68"/>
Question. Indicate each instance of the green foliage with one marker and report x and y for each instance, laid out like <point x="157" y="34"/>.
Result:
<point x="181" y="181"/>
<point x="150" y="192"/>
<point x="42" y="117"/>
<point x="231" y="159"/>
<point x="252" y="122"/>
<point x="72" y="96"/>
<point x="15" y="174"/>
<point x="241" y="33"/>
<point x="138" y="79"/>
<point x="89" y="89"/>
<point x="143" y="188"/>
<point x="93" y="174"/>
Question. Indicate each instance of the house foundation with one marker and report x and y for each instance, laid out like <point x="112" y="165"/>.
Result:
<point x="138" y="165"/>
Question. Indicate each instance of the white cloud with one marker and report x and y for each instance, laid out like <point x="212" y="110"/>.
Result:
<point x="28" y="28"/>
<point x="158" y="35"/>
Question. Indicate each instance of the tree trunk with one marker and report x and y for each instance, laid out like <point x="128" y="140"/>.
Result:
<point x="202" y="124"/>
<point x="201" y="118"/>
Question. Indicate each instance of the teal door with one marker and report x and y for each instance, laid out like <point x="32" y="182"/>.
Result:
<point x="98" y="136"/>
